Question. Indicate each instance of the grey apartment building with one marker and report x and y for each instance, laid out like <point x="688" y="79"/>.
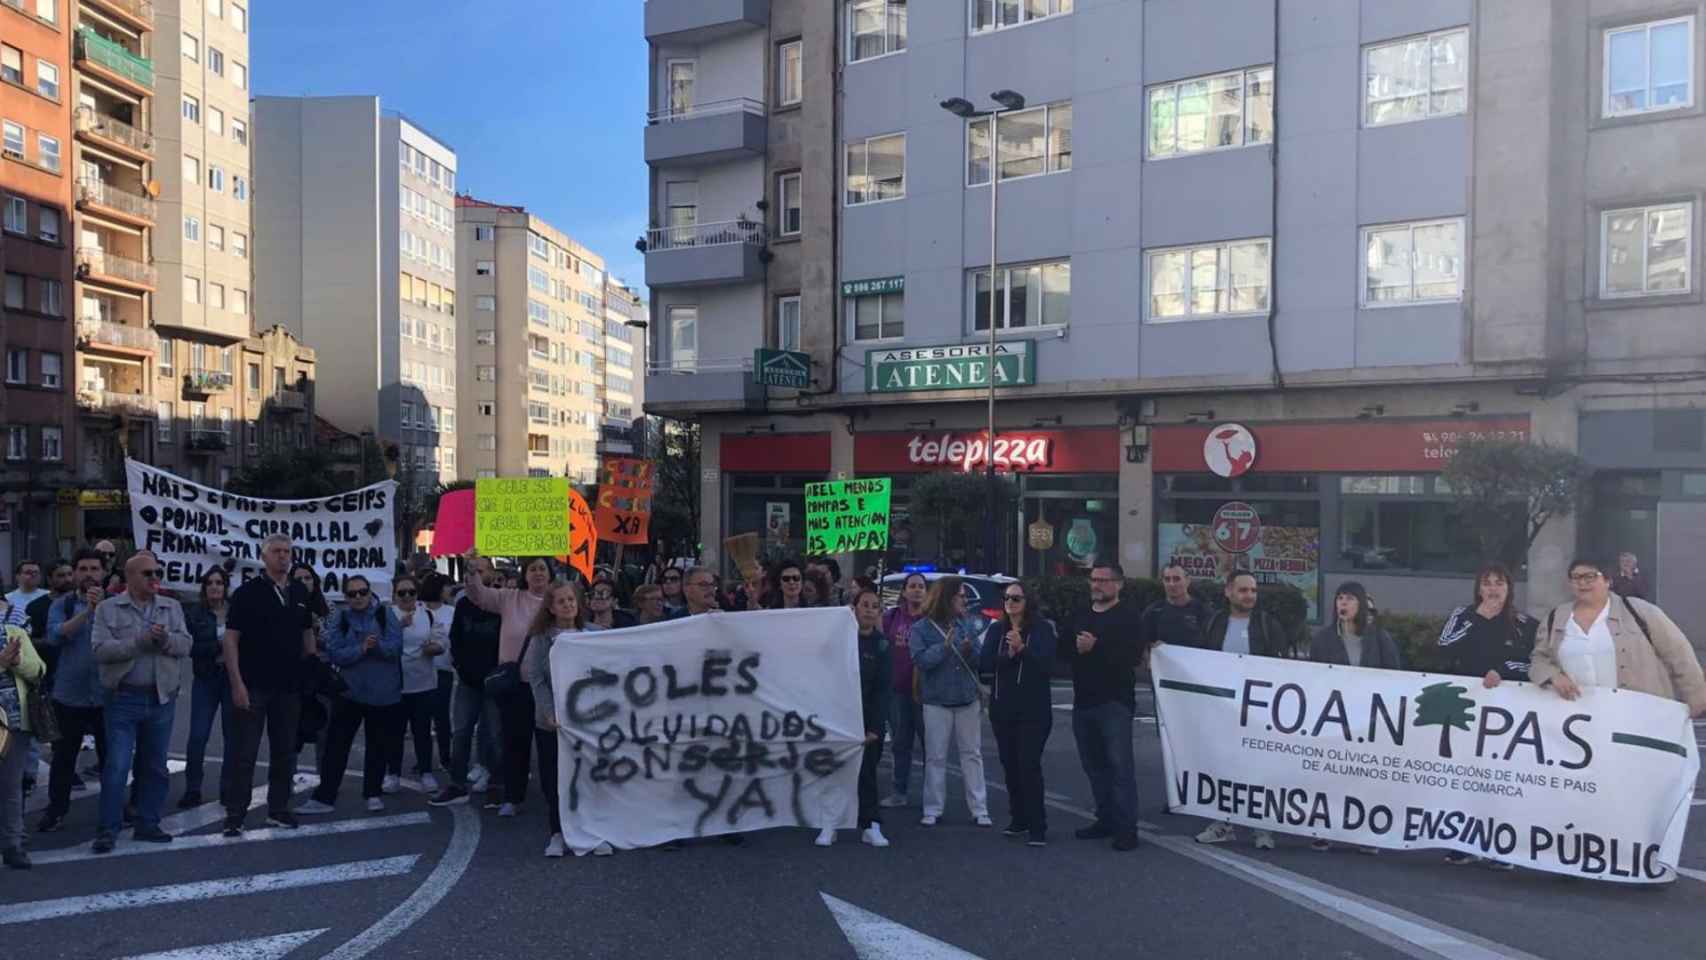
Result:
<point x="1306" y="248"/>
<point x="355" y="231"/>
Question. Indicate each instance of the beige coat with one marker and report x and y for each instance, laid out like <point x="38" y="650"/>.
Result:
<point x="1666" y="667"/>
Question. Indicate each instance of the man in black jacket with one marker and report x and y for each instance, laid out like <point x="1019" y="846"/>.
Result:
<point x="1242" y="628"/>
<point x="474" y="651"/>
<point x="1178" y="618"/>
<point x="1104" y="648"/>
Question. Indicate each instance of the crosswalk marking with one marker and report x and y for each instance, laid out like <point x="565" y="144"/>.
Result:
<point x="32" y="911"/>
<point x="264" y="948"/>
<point x="91" y="786"/>
<point x="336" y="827"/>
<point x="197" y="817"/>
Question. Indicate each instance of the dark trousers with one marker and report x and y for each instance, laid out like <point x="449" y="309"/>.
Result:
<point x="516" y="723"/>
<point x="384" y="727"/>
<point x="474" y="709"/>
<point x="74" y="724"/>
<point x="275" y="713"/>
<point x="417" y="711"/>
<point x="545" y="741"/>
<point x="906" y="727"/>
<point x="868" y="784"/>
<point x="1020" y="740"/>
<point x="442" y="730"/>
<point x="1104" y="748"/>
<point x="210" y="695"/>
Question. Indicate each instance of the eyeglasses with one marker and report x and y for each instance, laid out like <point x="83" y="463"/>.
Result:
<point x="1014" y="598"/>
<point x="601" y="595"/>
<point x="1586" y="576"/>
<point x="1104" y="579"/>
<point x="357" y="593"/>
<point x="795" y="578"/>
<point x="671" y="579"/>
<point x="148" y="574"/>
<point x="405" y="593"/>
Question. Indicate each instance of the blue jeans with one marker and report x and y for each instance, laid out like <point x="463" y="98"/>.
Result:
<point x="470" y="708"/>
<point x="208" y="695"/>
<point x="906" y="726"/>
<point x="1104" y="748"/>
<point x="139" y="728"/>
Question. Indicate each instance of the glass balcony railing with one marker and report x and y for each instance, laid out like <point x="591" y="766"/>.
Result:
<point x="114" y="130"/>
<point x="97" y="49"/>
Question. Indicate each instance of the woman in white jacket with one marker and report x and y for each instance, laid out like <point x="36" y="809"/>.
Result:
<point x="425" y="638"/>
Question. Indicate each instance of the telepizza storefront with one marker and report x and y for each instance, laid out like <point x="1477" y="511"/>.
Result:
<point x="1315" y="504"/>
<point x="765" y="489"/>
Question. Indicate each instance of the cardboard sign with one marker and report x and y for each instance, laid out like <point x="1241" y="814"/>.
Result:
<point x="847" y="515"/>
<point x="624" y="511"/>
<point x="583" y="536"/>
<point x="521" y="517"/>
<point x="453" y="530"/>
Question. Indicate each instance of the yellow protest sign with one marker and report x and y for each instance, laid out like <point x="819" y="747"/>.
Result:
<point x="521" y="517"/>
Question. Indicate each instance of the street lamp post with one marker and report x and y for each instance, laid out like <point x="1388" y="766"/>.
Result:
<point x="960" y="107"/>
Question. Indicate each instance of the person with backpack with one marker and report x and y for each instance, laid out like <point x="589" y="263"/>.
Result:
<point x="1602" y="639"/>
<point x="365" y="642"/>
<point x="423" y="641"/>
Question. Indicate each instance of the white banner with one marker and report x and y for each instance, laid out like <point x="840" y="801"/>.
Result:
<point x="719" y="723"/>
<point x="1599" y="787"/>
<point x="193" y="529"/>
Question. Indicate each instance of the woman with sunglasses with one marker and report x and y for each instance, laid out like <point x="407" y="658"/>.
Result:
<point x="945" y="645"/>
<point x="787" y="588"/>
<point x="601" y="606"/>
<point x="365" y="642"/>
<point x="425" y="637"/>
<point x="210" y="692"/>
<point x="1018" y="650"/>
<point x="673" y="599"/>
<point x="648" y="603"/>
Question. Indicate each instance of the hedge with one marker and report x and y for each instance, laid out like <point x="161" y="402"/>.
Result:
<point x="1063" y="598"/>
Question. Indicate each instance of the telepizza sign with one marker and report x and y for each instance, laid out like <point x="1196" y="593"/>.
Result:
<point x="1028" y="451"/>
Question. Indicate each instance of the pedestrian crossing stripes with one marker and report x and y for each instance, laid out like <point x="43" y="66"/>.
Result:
<point x="32" y="911"/>
<point x="335" y="828"/>
<point x="263" y="948"/>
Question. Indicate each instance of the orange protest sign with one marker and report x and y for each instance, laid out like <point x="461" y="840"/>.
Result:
<point x="583" y="535"/>
<point x="625" y="500"/>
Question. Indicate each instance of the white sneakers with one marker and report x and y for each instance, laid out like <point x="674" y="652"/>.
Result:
<point x="555" y="848"/>
<point x="893" y="800"/>
<point x="873" y="835"/>
<point x="983" y="820"/>
<point x="1264" y="840"/>
<point x="313" y="808"/>
<point x="1217" y="833"/>
<point x="507" y="810"/>
<point x="375" y="805"/>
<point x="478" y="779"/>
<point x="603" y="850"/>
<point x="825" y="837"/>
<point x="927" y="821"/>
<point x="390" y="784"/>
<point x="429" y="783"/>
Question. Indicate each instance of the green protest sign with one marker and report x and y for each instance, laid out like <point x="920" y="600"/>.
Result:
<point x="523" y="517"/>
<point x="847" y="515"/>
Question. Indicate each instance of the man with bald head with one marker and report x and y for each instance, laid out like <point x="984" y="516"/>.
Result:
<point x="142" y="647"/>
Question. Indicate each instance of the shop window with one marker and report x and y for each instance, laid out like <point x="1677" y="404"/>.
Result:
<point x="1213" y="536"/>
<point x="1409" y="523"/>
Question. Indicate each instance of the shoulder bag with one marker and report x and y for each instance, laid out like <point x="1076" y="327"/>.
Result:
<point x="505" y="678"/>
<point x="983" y="693"/>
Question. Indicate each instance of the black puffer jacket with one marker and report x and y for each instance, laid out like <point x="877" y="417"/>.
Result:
<point x="474" y="642"/>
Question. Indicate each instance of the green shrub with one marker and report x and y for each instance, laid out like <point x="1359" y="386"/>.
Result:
<point x="1062" y="599"/>
<point x="1417" y="637"/>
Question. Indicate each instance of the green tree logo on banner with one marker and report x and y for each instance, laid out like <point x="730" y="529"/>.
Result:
<point x="1445" y="705"/>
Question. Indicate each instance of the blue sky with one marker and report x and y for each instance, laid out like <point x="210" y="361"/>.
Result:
<point x="544" y="108"/>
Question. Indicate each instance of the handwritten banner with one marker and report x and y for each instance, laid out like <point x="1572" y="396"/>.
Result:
<point x="583" y="536"/>
<point x="718" y="723"/>
<point x="521" y="517"/>
<point x="847" y="515"/>
<point x="1597" y="787"/>
<point x="625" y="500"/>
<point x="194" y="529"/>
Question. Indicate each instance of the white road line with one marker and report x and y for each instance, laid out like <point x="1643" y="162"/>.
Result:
<point x="197" y="817"/>
<point x="264" y="948"/>
<point x="1693" y="874"/>
<point x="876" y="937"/>
<point x="464" y="840"/>
<point x="335" y="828"/>
<point x="208" y="889"/>
<point x="92" y="788"/>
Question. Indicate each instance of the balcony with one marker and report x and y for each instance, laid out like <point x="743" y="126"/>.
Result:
<point x="692" y="22"/>
<point x="287" y="400"/>
<point x="705" y="254"/>
<point x="202" y="383"/>
<point x="710" y="385"/>
<point x="101" y="336"/>
<point x="208" y="440"/>
<point x="96" y="196"/>
<point x="112" y="62"/>
<point x="114" y="134"/>
<point x="706" y="133"/>
<point x="138" y="14"/>
<point x="99" y="266"/>
<point x="110" y="403"/>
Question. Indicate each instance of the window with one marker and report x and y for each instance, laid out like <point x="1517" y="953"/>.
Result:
<point x="1001" y="14"/>
<point x="192" y="48"/>
<point x="11" y="65"/>
<point x="483" y="233"/>
<point x="239" y="18"/>
<point x="47" y="79"/>
<point x="1028" y="295"/>
<point x="1412" y="262"/>
<point x="251" y="436"/>
<point x="48" y="155"/>
<point x="216" y="295"/>
<point x="1396" y="523"/>
<point x="52" y="443"/>
<point x="876" y="169"/>
<point x="17" y="366"/>
<point x="49" y="229"/>
<point x="538" y="280"/>
<point x="788" y="323"/>
<point x="12" y="139"/>
<point x="192" y="109"/>
<point x="215" y="62"/>
<point x="14" y="291"/>
<point x="17" y="442"/>
<point x="254" y="378"/>
<point x="192" y="170"/>
<point x="240" y="131"/>
<point x="165" y="357"/>
<point x="486" y="374"/>
<point x="52" y="370"/>
<point x="1416" y="78"/>
<point x="17" y="215"/>
<point x="486" y="409"/>
<point x="789" y="76"/>
<point x="239" y="75"/>
<point x="240" y="302"/>
<point x="46" y="10"/>
<point x="192" y="290"/>
<point x="192" y="229"/>
<point x="1034" y="141"/>
<point x="240" y="244"/>
<point x="883" y="316"/>
<point x="1212" y="113"/>
<point x="1649" y="67"/>
<point x="875" y="28"/>
<point x="216" y="121"/>
<point x="163" y="417"/>
<point x="1646" y="251"/>
<point x="1226" y="279"/>
<point x="485" y="338"/>
<point x="486" y="302"/>
<point x="52" y="298"/>
<point x="683" y="337"/>
<point x="215" y="237"/>
<point x="239" y="187"/>
<point x="788" y="205"/>
<point x="484" y="268"/>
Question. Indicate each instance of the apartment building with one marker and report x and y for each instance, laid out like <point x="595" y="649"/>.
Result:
<point x="35" y="257"/>
<point x="356" y="242"/>
<point x="532" y="358"/>
<point x="1246" y="268"/>
<point x="626" y="320"/>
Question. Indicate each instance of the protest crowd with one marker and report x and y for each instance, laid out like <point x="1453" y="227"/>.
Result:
<point x="95" y="650"/>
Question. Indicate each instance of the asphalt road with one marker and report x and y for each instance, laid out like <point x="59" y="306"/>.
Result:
<point x="462" y="883"/>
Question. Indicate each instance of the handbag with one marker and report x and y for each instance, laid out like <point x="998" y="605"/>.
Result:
<point x="505" y="678"/>
<point x="44" y="720"/>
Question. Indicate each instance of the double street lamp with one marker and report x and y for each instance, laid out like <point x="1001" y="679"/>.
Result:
<point x="1009" y="101"/>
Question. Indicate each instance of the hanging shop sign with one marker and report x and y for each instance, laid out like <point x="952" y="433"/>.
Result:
<point x="871" y="288"/>
<point x="954" y="366"/>
<point x="1040" y="535"/>
<point x="1087" y="450"/>
<point x="1229" y="450"/>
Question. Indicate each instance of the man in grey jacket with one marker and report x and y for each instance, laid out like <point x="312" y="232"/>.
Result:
<point x="142" y="648"/>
